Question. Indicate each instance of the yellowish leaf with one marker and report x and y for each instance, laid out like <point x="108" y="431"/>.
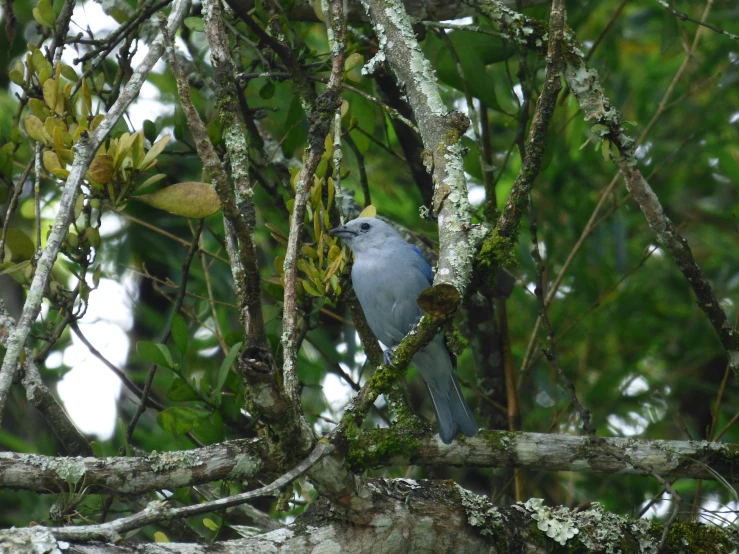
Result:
<point x="310" y="289"/>
<point x="369" y="211"/>
<point x="35" y="129"/>
<point x="154" y="151"/>
<point x="101" y="169"/>
<point x="160" y="537"/>
<point x="190" y="199"/>
<point x="51" y="89"/>
<point x="51" y="161"/>
<point x="331" y="270"/>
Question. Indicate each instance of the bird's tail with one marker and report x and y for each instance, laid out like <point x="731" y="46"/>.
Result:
<point x="451" y="409"/>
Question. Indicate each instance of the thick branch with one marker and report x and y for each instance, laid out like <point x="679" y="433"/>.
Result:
<point x="429" y="517"/>
<point x="160" y="510"/>
<point x="532" y="159"/>
<point x="441" y="131"/>
<point x="320" y="119"/>
<point x="245" y="458"/>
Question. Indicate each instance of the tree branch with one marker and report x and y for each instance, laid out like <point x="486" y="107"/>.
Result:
<point x="159" y="510"/>
<point x="435" y="516"/>
<point x="246" y="458"/>
<point x="441" y="131"/>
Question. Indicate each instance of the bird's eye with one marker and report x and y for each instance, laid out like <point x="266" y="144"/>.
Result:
<point x="365" y="226"/>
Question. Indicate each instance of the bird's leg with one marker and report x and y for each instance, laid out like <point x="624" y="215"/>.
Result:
<point x="413" y="327"/>
<point x="387" y="356"/>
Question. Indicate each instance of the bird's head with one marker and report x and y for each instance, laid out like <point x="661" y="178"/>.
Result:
<point x="365" y="234"/>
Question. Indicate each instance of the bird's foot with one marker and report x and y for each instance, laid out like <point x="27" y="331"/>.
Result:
<point x="387" y="357"/>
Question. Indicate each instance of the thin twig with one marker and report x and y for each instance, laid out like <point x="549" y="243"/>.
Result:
<point x="685" y="17"/>
<point x="169" y="235"/>
<point x="549" y="351"/>
<point x="130" y="385"/>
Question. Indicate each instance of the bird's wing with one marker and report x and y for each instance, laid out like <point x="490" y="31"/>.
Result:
<point x="387" y="289"/>
<point x="423" y="265"/>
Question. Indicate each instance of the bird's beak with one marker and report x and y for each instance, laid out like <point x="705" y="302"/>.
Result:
<point x="342" y="232"/>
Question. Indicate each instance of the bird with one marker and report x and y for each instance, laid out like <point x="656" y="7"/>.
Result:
<point x="388" y="275"/>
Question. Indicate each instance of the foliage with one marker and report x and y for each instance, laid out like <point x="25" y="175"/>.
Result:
<point x="640" y="353"/>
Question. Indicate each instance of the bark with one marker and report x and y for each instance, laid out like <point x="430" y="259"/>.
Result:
<point x="245" y="458"/>
<point x="419" y="517"/>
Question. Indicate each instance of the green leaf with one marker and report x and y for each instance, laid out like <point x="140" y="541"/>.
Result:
<point x="310" y="289"/>
<point x="150" y="131"/>
<point x="180" y="391"/>
<point x="16" y="267"/>
<point x="154" y="151"/>
<point x="180" y="420"/>
<point x="475" y="52"/>
<point x="18" y="73"/>
<point x="155" y="353"/>
<point x="18" y="246"/>
<point x="214" y="131"/>
<point x="150" y="182"/>
<point x="670" y="31"/>
<point x="369" y="211"/>
<point x="226" y="365"/>
<point x="191" y="199"/>
<point x="195" y="24"/>
<point x="209" y="523"/>
<point x="179" y="332"/>
<point x="267" y="91"/>
<point x="44" y="14"/>
<point x="69" y="73"/>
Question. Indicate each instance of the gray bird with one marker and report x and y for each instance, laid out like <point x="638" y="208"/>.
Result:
<point x="388" y="275"/>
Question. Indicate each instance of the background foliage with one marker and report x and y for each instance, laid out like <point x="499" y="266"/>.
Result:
<point x="640" y="353"/>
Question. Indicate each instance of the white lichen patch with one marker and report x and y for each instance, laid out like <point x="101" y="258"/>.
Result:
<point x="327" y="547"/>
<point x="34" y="540"/>
<point x="480" y="511"/>
<point x="557" y="523"/>
<point x="381" y="521"/>
<point x="264" y="399"/>
<point x="424" y="535"/>
<point x="246" y="466"/>
<point x="167" y="461"/>
<point x="379" y="58"/>
<point x="70" y="470"/>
